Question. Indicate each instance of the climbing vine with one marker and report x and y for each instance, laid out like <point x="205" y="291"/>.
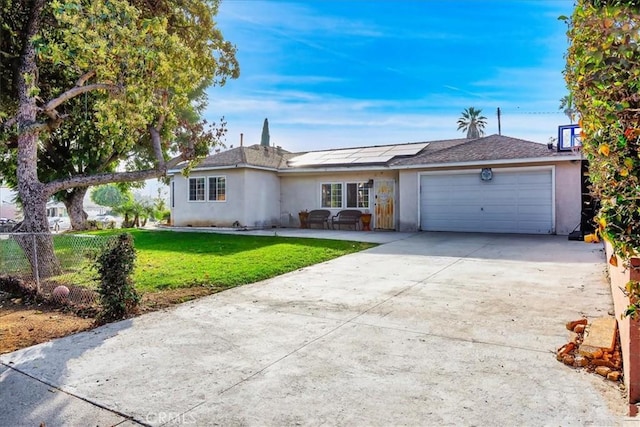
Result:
<point x="603" y="75"/>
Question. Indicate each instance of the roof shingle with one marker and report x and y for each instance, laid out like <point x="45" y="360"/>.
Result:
<point x="493" y="147"/>
<point x="460" y="150"/>
<point x="254" y="155"/>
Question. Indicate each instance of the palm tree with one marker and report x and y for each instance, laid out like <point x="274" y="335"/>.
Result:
<point x="567" y="107"/>
<point x="472" y="122"/>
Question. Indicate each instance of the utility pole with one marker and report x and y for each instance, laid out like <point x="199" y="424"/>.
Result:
<point x="499" y="124"/>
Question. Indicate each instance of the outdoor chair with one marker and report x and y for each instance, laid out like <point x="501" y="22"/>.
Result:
<point x="346" y="217"/>
<point x="318" y="216"/>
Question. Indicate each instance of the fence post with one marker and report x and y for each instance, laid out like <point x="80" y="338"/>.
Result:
<point x="35" y="265"/>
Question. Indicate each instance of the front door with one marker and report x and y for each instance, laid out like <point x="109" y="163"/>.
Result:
<point x="384" y="201"/>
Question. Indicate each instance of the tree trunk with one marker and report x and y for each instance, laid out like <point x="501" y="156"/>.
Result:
<point x="37" y="241"/>
<point x="38" y="247"/>
<point x="74" y="202"/>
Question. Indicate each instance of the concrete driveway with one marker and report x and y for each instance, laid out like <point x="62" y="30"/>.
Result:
<point x="433" y="329"/>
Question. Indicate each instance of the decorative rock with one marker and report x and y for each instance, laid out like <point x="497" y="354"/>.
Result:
<point x="579" y="329"/>
<point x="603" y="362"/>
<point x="568" y="360"/>
<point x="603" y="370"/>
<point x="613" y="376"/>
<point x="60" y="293"/>
<point x="573" y="337"/>
<point x="565" y="349"/>
<point x="580" y="361"/>
<point x="571" y="325"/>
<point x="602" y="333"/>
<point x="590" y="352"/>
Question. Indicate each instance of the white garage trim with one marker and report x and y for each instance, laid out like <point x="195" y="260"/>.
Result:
<point x="471" y="216"/>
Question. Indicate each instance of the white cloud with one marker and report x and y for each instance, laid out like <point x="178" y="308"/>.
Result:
<point x="323" y="82"/>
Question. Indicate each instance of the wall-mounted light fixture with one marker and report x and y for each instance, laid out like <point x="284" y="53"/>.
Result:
<point x="370" y="183"/>
<point x="486" y="174"/>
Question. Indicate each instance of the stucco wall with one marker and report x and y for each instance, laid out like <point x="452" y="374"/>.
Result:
<point x="252" y="199"/>
<point x="302" y="191"/>
<point x="206" y="213"/>
<point x="408" y="187"/>
<point x="567" y="202"/>
<point x="629" y="329"/>
<point x="261" y="198"/>
<point x="568" y="197"/>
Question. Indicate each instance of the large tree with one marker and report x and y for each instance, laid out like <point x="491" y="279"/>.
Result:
<point x="138" y="61"/>
<point x="109" y="195"/>
<point x="472" y="122"/>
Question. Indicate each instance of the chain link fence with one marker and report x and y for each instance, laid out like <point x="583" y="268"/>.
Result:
<point x="59" y="267"/>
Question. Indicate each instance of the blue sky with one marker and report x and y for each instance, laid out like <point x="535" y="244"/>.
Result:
<point x="345" y="73"/>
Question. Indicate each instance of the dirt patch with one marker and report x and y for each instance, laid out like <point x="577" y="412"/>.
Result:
<point x="158" y="300"/>
<point x="24" y="322"/>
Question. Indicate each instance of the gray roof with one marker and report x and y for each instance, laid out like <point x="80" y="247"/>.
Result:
<point x="254" y="155"/>
<point x="488" y="148"/>
<point x="460" y="150"/>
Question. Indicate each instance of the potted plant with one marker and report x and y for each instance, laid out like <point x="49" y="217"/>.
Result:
<point x="303" y="215"/>
<point x="366" y="221"/>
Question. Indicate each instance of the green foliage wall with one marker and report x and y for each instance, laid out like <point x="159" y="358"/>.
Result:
<point x="603" y="74"/>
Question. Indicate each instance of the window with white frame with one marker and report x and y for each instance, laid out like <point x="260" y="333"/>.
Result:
<point x="357" y="195"/>
<point x="196" y="189"/>
<point x="331" y="195"/>
<point x="354" y="195"/>
<point x="217" y="189"/>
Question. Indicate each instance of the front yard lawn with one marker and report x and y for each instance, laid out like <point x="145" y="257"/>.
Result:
<point x="171" y="260"/>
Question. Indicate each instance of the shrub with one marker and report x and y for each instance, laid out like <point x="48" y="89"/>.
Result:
<point x="115" y="265"/>
<point x="165" y="216"/>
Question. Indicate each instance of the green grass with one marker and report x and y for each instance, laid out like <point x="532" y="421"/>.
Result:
<point x="74" y="252"/>
<point x="170" y="260"/>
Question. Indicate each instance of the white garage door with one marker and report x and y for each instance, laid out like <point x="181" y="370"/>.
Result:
<point x="511" y="202"/>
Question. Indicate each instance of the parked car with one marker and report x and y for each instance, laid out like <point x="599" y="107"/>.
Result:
<point x="6" y="225"/>
<point x="105" y="218"/>
<point x="59" y="223"/>
<point x="105" y="221"/>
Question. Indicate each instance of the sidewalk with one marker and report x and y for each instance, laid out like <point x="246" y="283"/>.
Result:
<point x="312" y="233"/>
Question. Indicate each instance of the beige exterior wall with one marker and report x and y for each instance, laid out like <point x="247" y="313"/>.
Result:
<point x="567" y="196"/>
<point x="302" y="191"/>
<point x="260" y="198"/>
<point x="409" y="194"/>
<point x="252" y="199"/>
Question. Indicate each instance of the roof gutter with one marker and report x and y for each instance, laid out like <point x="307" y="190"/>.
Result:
<point x="490" y="162"/>
<point x="334" y="169"/>
<point x="213" y="168"/>
<point x="484" y="163"/>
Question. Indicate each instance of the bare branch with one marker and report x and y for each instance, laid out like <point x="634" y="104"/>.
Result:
<point x="165" y="101"/>
<point x="103" y="178"/>
<point x="170" y="164"/>
<point x="83" y="79"/>
<point x="156" y="143"/>
<point x="49" y="108"/>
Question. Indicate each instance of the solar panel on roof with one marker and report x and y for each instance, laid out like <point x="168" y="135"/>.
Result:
<point x="378" y="159"/>
<point x="378" y="154"/>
